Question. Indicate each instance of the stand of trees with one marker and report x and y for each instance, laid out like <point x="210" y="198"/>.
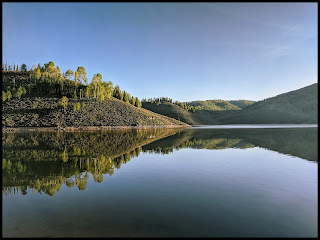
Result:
<point x="159" y="100"/>
<point x="126" y="97"/>
<point x="49" y="79"/>
<point x="13" y="67"/>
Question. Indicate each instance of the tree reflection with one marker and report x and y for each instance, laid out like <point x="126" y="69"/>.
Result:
<point x="44" y="162"/>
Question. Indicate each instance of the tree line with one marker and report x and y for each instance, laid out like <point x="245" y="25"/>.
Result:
<point x="13" y="67"/>
<point x="159" y="100"/>
<point x="72" y="84"/>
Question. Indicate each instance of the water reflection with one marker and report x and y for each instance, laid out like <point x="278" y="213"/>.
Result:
<point x="296" y="142"/>
<point x="44" y="162"/>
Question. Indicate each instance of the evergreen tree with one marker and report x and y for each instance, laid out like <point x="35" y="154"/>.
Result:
<point x="133" y="101"/>
<point x="138" y="103"/>
<point x="117" y="93"/>
<point x="23" y="67"/>
<point x="125" y="97"/>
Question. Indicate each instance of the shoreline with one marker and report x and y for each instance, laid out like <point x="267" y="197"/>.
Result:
<point x="87" y="128"/>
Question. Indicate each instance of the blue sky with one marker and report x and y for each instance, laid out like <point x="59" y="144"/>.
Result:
<point x="186" y="51"/>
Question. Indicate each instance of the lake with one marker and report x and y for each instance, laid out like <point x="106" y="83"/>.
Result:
<point x="196" y="182"/>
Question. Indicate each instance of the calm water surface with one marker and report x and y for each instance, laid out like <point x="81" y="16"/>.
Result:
<point x="161" y="183"/>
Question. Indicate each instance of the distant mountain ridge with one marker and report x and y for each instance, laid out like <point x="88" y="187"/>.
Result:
<point x="299" y="106"/>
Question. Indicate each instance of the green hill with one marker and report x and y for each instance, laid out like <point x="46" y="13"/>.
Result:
<point x="172" y="111"/>
<point x="299" y="106"/>
<point x="221" y="105"/>
<point x="206" y="114"/>
<point x="242" y="103"/>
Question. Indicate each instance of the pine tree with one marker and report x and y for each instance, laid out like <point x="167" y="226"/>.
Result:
<point x="23" y="67"/>
<point x="138" y="103"/>
<point x="125" y="97"/>
<point x="133" y="101"/>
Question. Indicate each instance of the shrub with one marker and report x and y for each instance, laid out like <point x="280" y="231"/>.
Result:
<point x="76" y="106"/>
<point x="63" y="102"/>
<point x="4" y="96"/>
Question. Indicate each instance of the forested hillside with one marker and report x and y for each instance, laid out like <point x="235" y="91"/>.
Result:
<point x="172" y="111"/>
<point x="221" y="105"/>
<point x="45" y="97"/>
<point x="299" y="106"/>
<point x="196" y="112"/>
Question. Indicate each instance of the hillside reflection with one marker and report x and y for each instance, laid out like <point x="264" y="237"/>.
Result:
<point x="298" y="142"/>
<point x="44" y="162"/>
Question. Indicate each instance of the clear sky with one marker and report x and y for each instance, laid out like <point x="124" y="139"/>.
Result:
<point x="186" y="51"/>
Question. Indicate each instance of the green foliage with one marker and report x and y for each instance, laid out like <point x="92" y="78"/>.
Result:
<point x="23" y="67"/>
<point x="21" y="91"/>
<point x="37" y="73"/>
<point x="4" y="96"/>
<point x="117" y="93"/>
<point x="76" y="76"/>
<point x="99" y="89"/>
<point x="133" y="101"/>
<point x="47" y="81"/>
<point x="76" y="106"/>
<point x="137" y="103"/>
<point x="69" y="74"/>
<point x="63" y="102"/>
<point x="125" y="97"/>
<point x="82" y="75"/>
<point x="9" y="95"/>
<point x="171" y="110"/>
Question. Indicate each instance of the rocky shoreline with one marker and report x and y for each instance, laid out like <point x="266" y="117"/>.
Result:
<point x="87" y="128"/>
